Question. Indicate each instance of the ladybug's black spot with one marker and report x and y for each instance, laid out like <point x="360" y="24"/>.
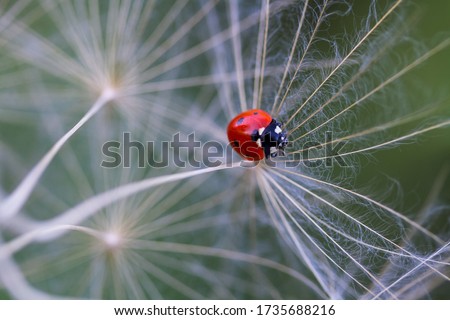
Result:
<point x="255" y="113"/>
<point x="236" y="143"/>
<point x="240" y="120"/>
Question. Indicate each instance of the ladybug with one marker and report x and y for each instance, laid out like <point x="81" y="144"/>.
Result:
<point x="254" y="134"/>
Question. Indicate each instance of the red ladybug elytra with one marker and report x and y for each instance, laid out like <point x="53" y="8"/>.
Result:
<point x="254" y="134"/>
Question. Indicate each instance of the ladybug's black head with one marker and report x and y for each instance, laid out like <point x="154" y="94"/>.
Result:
<point x="274" y="139"/>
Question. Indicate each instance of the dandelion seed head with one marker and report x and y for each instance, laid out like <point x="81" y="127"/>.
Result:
<point x="109" y="92"/>
<point x="113" y="240"/>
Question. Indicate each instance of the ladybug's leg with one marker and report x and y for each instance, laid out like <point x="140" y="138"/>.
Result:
<point x="274" y="151"/>
<point x="267" y="150"/>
